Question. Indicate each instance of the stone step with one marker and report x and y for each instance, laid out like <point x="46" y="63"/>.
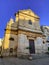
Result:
<point x="38" y="56"/>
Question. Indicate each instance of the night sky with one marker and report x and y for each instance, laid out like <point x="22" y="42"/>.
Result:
<point x="9" y="7"/>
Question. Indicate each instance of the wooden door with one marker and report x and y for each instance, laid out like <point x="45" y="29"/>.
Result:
<point x="31" y="46"/>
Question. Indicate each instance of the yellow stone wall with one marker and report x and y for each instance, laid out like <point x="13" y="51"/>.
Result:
<point x="27" y="15"/>
<point x="8" y="34"/>
<point x="6" y="41"/>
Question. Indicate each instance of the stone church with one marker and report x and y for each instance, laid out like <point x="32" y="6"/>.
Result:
<point x="23" y="35"/>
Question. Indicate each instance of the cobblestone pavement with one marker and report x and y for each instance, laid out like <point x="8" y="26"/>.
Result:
<point x="18" y="61"/>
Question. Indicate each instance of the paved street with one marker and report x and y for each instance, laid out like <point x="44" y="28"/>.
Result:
<point x="18" y="61"/>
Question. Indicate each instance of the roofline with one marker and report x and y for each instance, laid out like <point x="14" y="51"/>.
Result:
<point x="26" y="14"/>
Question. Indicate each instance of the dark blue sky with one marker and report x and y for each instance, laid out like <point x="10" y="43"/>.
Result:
<point x="9" y="7"/>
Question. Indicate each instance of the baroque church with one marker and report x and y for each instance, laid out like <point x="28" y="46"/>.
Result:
<point x="24" y="35"/>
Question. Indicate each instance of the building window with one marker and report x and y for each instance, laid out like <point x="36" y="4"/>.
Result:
<point x="47" y="30"/>
<point x="12" y="39"/>
<point x="11" y="50"/>
<point x="48" y="39"/>
<point x="30" y="22"/>
<point x="43" y="42"/>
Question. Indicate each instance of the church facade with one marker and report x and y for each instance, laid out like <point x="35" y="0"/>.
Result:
<point x="24" y="35"/>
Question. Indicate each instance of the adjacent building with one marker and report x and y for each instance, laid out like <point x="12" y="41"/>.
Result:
<point x="45" y="30"/>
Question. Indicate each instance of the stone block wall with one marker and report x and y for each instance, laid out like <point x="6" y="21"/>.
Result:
<point x="22" y="44"/>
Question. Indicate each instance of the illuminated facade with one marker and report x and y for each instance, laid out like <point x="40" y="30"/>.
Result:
<point x="24" y="35"/>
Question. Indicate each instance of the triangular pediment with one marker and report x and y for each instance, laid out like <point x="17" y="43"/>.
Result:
<point x="29" y="12"/>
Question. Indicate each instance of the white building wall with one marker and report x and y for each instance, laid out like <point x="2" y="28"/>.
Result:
<point x="46" y="33"/>
<point x="23" y="42"/>
<point x="47" y="44"/>
<point x="45" y="48"/>
<point x="39" y="46"/>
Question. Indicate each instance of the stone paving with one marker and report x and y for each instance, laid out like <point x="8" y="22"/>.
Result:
<point x="18" y="61"/>
<point x="42" y="59"/>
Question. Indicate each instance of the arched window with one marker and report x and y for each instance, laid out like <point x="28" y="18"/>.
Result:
<point x="12" y="39"/>
<point x="30" y="22"/>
